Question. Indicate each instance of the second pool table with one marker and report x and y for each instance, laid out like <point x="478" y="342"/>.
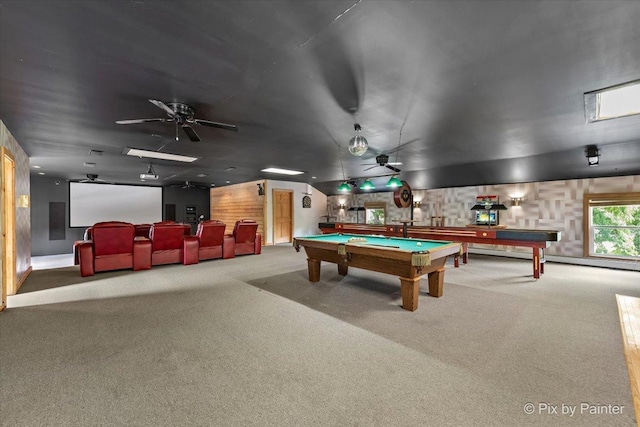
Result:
<point x="409" y="259"/>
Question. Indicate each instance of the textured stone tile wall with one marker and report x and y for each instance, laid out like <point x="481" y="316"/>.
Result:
<point x="552" y="205"/>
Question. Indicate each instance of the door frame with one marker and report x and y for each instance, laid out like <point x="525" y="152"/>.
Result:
<point x="8" y="218"/>
<point x="273" y="215"/>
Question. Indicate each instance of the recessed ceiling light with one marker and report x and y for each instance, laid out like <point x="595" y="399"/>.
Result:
<point x="313" y="177"/>
<point x="36" y="167"/>
<point x="228" y="182"/>
<point x="201" y="175"/>
<point x="613" y="102"/>
<point x="96" y="152"/>
<point x="89" y="165"/>
<point x="158" y="155"/>
<point x="281" y="171"/>
<point x="230" y="168"/>
<point x="40" y="173"/>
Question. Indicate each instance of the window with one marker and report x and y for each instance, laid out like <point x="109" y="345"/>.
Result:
<point x="613" y="102"/>
<point x="375" y="212"/>
<point x="612" y="225"/>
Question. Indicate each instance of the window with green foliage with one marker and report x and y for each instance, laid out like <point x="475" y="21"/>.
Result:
<point x="614" y="226"/>
<point x="375" y="212"/>
<point x="616" y="230"/>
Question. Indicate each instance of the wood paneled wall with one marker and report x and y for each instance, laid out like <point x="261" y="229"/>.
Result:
<point x="240" y="201"/>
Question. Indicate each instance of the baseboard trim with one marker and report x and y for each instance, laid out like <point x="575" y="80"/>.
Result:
<point x="23" y="278"/>
<point x="590" y="262"/>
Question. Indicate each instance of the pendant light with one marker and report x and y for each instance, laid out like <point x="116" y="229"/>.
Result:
<point x="344" y="187"/>
<point x="394" y="182"/>
<point x="358" y="144"/>
<point x="367" y="185"/>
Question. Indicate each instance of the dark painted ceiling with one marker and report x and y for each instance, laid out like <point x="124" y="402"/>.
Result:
<point x="487" y="92"/>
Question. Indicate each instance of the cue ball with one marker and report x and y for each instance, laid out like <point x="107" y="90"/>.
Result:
<point x="418" y="243"/>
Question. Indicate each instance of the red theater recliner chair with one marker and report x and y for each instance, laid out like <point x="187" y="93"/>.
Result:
<point x="245" y="239"/>
<point x="172" y="244"/>
<point x="113" y="246"/>
<point x="142" y="230"/>
<point x="211" y="239"/>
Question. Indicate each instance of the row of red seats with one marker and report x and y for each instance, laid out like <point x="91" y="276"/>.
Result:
<point x="116" y="245"/>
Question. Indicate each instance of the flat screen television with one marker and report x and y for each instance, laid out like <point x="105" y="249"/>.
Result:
<point x="487" y="217"/>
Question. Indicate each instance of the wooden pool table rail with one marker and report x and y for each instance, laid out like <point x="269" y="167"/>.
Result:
<point x="537" y="240"/>
<point x="407" y="266"/>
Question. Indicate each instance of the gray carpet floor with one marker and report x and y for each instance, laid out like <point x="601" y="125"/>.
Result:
<point x="250" y="341"/>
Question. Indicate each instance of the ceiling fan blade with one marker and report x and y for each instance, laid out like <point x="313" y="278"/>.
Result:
<point x="216" y="125"/>
<point x="392" y="168"/>
<point x="134" y="121"/>
<point x="193" y="136"/>
<point x="164" y="106"/>
<point x="374" y="166"/>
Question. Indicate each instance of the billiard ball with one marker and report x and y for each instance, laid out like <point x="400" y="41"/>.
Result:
<point x="419" y="243"/>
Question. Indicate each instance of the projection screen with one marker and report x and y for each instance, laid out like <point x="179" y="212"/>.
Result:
<point x="90" y="203"/>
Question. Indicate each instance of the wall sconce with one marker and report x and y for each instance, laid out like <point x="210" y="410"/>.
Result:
<point x="593" y="155"/>
<point x="515" y="201"/>
<point x="341" y="206"/>
<point x="23" y="201"/>
<point x="417" y="204"/>
<point x="260" y="190"/>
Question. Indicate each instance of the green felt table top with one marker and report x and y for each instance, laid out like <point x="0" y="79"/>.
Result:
<point x="410" y="245"/>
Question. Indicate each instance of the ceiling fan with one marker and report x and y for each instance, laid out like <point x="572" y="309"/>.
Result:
<point x="190" y="184"/>
<point x="383" y="160"/>
<point x="183" y="116"/>
<point x="93" y="178"/>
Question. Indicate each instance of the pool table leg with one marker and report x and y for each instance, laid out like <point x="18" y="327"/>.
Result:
<point x="536" y="263"/>
<point x="410" y="292"/>
<point x="314" y="269"/>
<point x="436" y="283"/>
<point x="343" y="269"/>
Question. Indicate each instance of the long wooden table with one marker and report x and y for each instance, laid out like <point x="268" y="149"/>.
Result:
<point x="537" y="240"/>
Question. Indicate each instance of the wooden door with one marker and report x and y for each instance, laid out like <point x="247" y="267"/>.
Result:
<point x="282" y="216"/>
<point x="8" y="217"/>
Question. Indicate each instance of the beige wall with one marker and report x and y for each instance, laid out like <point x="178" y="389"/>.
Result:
<point x="551" y="205"/>
<point x="305" y="220"/>
<point x="23" y="215"/>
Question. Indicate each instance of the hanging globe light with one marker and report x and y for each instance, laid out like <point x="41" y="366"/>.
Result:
<point x="358" y="144"/>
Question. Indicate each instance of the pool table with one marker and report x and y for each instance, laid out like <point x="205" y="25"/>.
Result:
<point x="409" y="259"/>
